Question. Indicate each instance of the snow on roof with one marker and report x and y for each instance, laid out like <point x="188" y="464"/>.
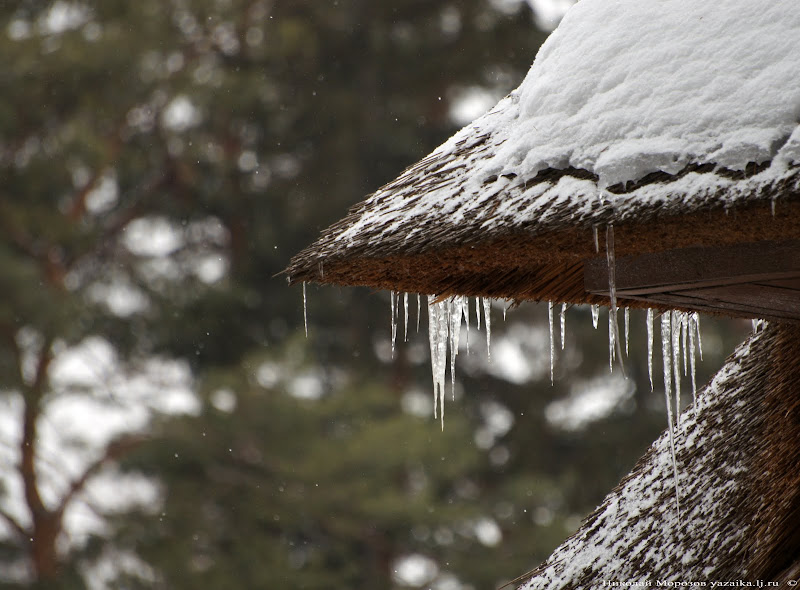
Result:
<point x="637" y="534"/>
<point x="631" y="113"/>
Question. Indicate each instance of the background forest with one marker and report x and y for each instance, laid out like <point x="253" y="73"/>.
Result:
<point x="164" y="421"/>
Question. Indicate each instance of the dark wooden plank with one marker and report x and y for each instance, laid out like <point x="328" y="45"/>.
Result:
<point x="690" y="268"/>
<point x="755" y="296"/>
<point x="686" y="300"/>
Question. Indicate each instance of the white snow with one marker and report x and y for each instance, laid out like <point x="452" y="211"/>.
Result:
<point x="624" y="90"/>
<point x="620" y="89"/>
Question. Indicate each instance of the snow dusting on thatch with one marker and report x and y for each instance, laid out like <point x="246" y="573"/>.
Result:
<point x="658" y="120"/>
<point x="733" y="491"/>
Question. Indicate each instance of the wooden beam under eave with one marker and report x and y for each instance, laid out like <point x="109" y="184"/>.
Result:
<point x="755" y="280"/>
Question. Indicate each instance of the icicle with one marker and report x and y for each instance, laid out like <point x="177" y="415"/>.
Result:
<point x="595" y="315"/>
<point x="465" y="313"/>
<point x="418" y="310"/>
<point x="487" y="320"/>
<point x="684" y="335"/>
<point x="611" y="341"/>
<point x="596" y="239"/>
<point x="405" y="316"/>
<point x="505" y="308"/>
<point x="437" y="335"/>
<point x="650" y="346"/>
<point x="456" y="309"/>
<point x="772" y="206"/>
<point x="697" y="329"/>
<point x="305" y="313"/>
<point x="613" y="325"/>
<point x="478" y="311"/>
<point x="392" y="298"/>
<point x="676" y="360"/>
<point x="627" y="330"/>
<point x="666" y="354"/>
<point x="552" y="341"/>
<point x="692" y="361"/>
<point x="563" y="324"/>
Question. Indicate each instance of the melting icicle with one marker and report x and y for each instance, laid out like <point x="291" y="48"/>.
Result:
<point x="465" y="312"/>
<point x="676" y="361"/>
<point x="684" y="335"/>
<point x="437" y="336"/>
<point x="563" y="324"/>
<point x="692" y="361"/>
<point x="552" y="341"/>
<point x="697" y="329"/>
<point x="505" y="308"/>
<point x="596" y="239"/>
<point x="405" y="316"/>
<point x="455" y="309"/>
<point x="418" y="310"/>
<point x="611" y="340"/>
<point x="627" y="330"/>
<point x="666" y="354"/>
<point x="650" y="346"/>
<point x="478" y="311"/>
<point x="392" y="298"/>
<point x="613" y="326"/>
<point x="595" y="315"/>
<point x="487" y="320"/>
<point x="305" y="314"/>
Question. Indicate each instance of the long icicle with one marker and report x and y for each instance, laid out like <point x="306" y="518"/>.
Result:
<point x="612" y="290"/>
<point x="305" y="308"/>
<point x="692" y="360"/>
<point x="627" y="330"/>
<point x="487" y="320"/>
<point x="456" y="307"/>
<point x="465" y="312"/>
<point x="676" y="361"/>
<point x="437" y="335"/>
<point x="478" y="312"/>
<point x="666" y="355"/>
<point x="433" y="340"/>
<point x="563" y="324"/>
<point x="650" y="346"/>
<point x="684" y="343"/>
<point x="611" y="340"/>
<point x="393" y="300"/>
<point x="697" y="329"/>
<point x="552" y="339"/>
<point x="405" y="316"/>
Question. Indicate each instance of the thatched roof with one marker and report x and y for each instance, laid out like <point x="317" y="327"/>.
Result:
<point x="682" y="133"/>
<point x="737" y="454"/>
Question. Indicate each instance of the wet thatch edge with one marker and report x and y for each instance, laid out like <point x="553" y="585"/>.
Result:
<point x="737" y="453"/>
<point x="535" y="263"/>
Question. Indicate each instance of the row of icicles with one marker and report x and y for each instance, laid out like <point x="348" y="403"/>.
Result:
<point x="680" y="340"/>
